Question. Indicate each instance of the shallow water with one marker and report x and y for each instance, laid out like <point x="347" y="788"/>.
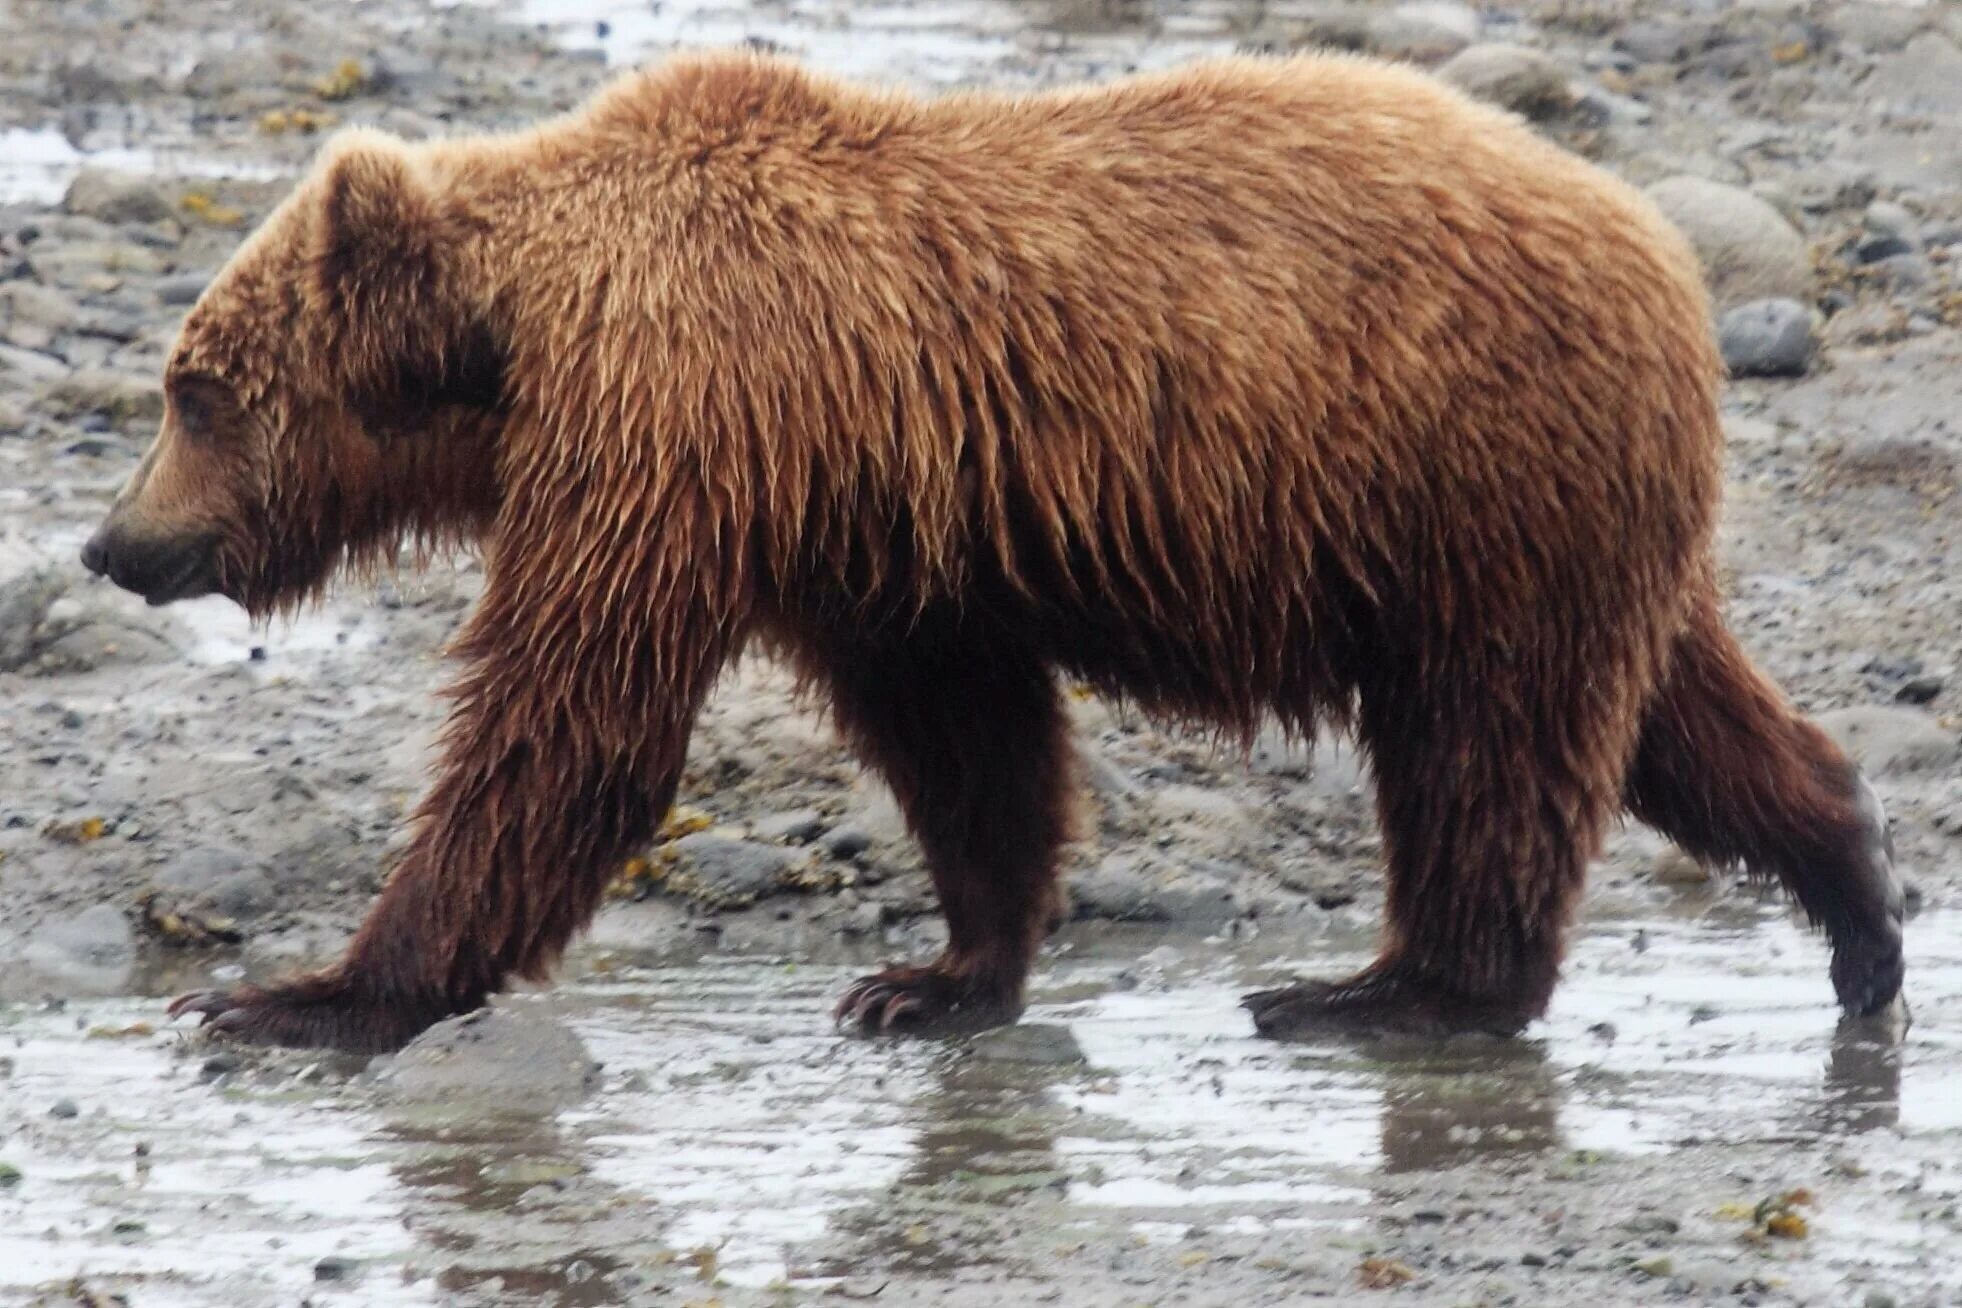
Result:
<point x="731" y="1117"/>
<point x="925" y="43"/>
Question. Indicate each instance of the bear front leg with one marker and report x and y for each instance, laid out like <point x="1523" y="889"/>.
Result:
<point x="564" y="751"/>
<point x="971" y="736"/>
<point x="531" y="816"/>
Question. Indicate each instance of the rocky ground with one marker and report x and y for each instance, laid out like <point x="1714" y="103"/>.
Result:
<point x="180" y="793"/>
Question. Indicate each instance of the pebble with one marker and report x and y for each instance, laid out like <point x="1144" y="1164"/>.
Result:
<point x="182" y="288"/>
<point x="1747" y="248"/>
<point x="219" y="1065"/>
<point x="334" y="1268"/>
<point x="1767" y="338"/>
<point x="65" y="1108"/>
<point x="1919" y="690"/>
<point x="1887" y="218"/>
<point x="1512" y="77"/>
<point x="848" y="842"/>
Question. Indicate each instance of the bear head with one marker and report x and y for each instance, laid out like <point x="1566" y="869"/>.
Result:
<point x="335" y="391"/>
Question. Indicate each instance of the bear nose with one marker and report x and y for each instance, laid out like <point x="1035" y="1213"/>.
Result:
<point x="95" y="555"/>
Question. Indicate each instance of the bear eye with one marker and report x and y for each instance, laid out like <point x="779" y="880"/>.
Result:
<point x="198" y="403"/>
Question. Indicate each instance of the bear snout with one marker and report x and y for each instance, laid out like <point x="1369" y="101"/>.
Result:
<point x="160" y="569"/>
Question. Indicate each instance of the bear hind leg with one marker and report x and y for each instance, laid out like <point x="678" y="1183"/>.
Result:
<point x="1491" y="807"/>
<point x="1728" y="771"/>
<point x="972" y="738"/>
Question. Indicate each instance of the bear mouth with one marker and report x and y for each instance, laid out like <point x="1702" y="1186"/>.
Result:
<point x="195" y="576"/>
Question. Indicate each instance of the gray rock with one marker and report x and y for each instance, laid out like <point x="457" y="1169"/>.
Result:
<point x="335" y="1268"/>
<point x="799" y="827"/>
<point x="1872" y="247"/>
<point x="65" y="1109"/>
<point x="1422" y="33"/>
<point x="1767" y="338"/>
<point x="1886" y="218"/>
<point x="25" y="604"/>
<point x="848" y="841"/>
<point x="1118" y="890"/>
<point x="730" y="873"/>
<point x="1875" y="28"/>
<point x="182" y="288"/>
<point x="1667" y="41"/>
<point x="1902" y="272"/>
<point x="491" y="1059"/>
<point x="78" y="261"/>
<point x="1329" y="887"/>
<point x="1513" y="77"/>
<point x="116" y="197"/>
<point x="1039" y="1043"/>
<point x="98" y="937"/>
<point x="1888" y="741"/>
<point x="32" y="316"/>
<point x="1925" y="77"/>
<point x="217" y="880"/>
<point x="1748" y="250"/>
<point x="30" y="365"/>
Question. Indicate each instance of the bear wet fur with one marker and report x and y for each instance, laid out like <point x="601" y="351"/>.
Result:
<point x="1299" y="387"/>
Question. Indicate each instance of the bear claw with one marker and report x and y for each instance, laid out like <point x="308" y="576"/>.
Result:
<point x="918" y="1000"/>
<point x="312" y="1018"/>
<point x="1372" y="1004"/>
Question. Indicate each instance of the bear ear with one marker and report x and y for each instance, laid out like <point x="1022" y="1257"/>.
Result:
<point x="379" y="259"/>
<point x="377" y="212"/>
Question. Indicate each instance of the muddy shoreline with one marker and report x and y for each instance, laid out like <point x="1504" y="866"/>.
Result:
<point x="183" y="797"/>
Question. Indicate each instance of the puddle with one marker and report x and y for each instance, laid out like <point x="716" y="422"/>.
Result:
<point x="732" y="1118"/>
<point x="926" y="43"/>
<point x="36" y="164"/>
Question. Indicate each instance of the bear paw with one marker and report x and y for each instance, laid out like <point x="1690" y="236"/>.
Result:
<point x="922" y="1000"/>
<point x="308" y="1014"/>
<point x="1378" y="1002"/>
<point x="1867" y="964"/>
<point x="1867" y="972"/>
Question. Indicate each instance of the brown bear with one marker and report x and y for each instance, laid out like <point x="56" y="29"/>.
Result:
<point x="1304" y="388"/>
